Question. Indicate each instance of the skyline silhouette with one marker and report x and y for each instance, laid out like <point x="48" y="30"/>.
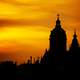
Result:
<point x="57" y="45"/>
<point x="57" y="50"/>
<point x="39" y="39"/>
<point x="55" y="57"/>
<point x="25" y="26"/>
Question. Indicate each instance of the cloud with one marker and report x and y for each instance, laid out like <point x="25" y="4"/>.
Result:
<point x="23" y="2"/>
<point x="22" y="22"/>
<point x="35" y="2"/>
<point x="13" y="2"/>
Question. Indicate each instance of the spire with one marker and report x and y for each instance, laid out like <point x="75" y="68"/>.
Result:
<point x="58" y="16"/>
<point x="58" y="21"/>
<point x="75" y="36"/>
<point x="75" y="43"/>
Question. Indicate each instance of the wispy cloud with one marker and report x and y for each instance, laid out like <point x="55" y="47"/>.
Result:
<point x="22" y="22"/>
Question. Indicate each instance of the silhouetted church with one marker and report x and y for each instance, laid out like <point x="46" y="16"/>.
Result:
<point x="57" y="53"/>
<point x="57" y="48"/>
<point x="57" y="38"/>
<point x="75" y="43"/>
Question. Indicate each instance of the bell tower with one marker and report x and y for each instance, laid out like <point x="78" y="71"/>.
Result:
<point x="58" y="38"/>
<point x="75" y="43"/>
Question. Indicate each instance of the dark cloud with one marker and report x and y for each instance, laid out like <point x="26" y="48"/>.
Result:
<point x="10" y="22"/>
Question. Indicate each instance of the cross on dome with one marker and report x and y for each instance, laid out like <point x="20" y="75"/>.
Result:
<point x="58" y="16"/>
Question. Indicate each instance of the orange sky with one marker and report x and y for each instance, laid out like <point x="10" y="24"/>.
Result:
<point x="25" y="25"/>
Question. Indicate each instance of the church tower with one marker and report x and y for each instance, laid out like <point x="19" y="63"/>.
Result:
<point x="57" y="39"/>
<point x="75" y="44"/>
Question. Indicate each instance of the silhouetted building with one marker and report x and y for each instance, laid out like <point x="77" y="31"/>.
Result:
<point x="57" y="54"/>
<point x="58" y="38"/>
<point x="57" y="44"/>
<point x="75" y="50"/>
<point x="45" y="58"/>
<point x="75" y="44"/>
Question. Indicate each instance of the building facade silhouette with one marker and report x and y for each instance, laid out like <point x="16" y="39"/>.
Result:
<point x="58" y="38"/>
<point x="58" y="53"/>
<point x="75" y="44"/>
<point x="57" y="47"/>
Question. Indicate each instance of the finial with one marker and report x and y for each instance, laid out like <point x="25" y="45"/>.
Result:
<point x="75" y="33"/>
<point x="58" y="16"/>
<point x="58" y="21"/>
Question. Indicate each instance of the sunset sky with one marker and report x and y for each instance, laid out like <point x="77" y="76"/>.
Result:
<point x="25" y="26"/>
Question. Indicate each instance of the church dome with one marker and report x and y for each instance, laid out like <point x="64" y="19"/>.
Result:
<point x="58" y="37"/>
